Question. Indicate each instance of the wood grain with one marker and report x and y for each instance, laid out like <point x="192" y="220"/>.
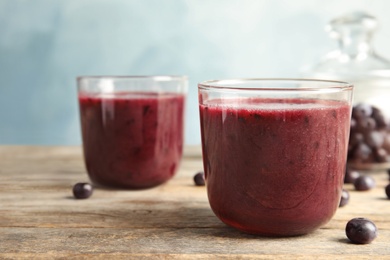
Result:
<point x="40" y="219"/>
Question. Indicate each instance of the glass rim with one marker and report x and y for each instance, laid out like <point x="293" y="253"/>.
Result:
<point x="232" y="84"/>
<point x="121" y="77"/>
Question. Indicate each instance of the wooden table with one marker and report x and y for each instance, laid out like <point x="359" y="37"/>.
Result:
<point x="40" y="219"/>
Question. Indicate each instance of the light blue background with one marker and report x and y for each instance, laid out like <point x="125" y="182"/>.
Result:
<point x="45" y="44"/>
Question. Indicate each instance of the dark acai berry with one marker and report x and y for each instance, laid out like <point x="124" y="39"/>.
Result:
<point x="362" y="110"/>
<point x="362" y="153"/>
<point x="199" y="179"/>
<point x="361" y="231"/>
<point x="351" y="175"/>
<point x="364" y="183"/>
<point x="344" y="198"/>
<point x="82" y="190"/>
<point x="379" y="118"/>
<point x="381" y="155"/>
<point x="387" y="190"/>
<point x="374" y="139"/>
<point x="356" y="138"/>
<point x="366" y="124"/>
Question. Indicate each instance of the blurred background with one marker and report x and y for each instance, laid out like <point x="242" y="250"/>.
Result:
<point x="46" y="44"/>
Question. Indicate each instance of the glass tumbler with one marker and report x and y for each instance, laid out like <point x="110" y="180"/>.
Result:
<point x="132" y="128"/>
<point x="274" y="151"/>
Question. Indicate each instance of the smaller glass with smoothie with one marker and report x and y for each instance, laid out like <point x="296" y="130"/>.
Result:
<point x="274" y="152"/>
<point x="132" y="128"/>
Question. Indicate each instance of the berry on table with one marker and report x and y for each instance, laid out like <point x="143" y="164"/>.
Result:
<point x="344" y="198"/>
<point x="199" y="179"/>
<point x="387" y="190"/>
<point x="351" y="175"/>
<point x="361" y="231"/>
<point x="364" y="183"/>
<point x="82" y="190"/>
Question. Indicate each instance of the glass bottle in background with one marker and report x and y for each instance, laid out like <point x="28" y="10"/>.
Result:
<point x="356" y="62"/>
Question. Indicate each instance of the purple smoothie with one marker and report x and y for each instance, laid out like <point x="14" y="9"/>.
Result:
<point x="132" y="140"/>
<point x="274" y="167"/>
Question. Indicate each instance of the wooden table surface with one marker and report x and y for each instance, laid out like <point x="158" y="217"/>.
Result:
<point x="40" y="219"/>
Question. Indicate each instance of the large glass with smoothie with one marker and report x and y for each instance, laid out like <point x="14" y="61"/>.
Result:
<point x="274" y="152"/>
<point x="132" y="129"/>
